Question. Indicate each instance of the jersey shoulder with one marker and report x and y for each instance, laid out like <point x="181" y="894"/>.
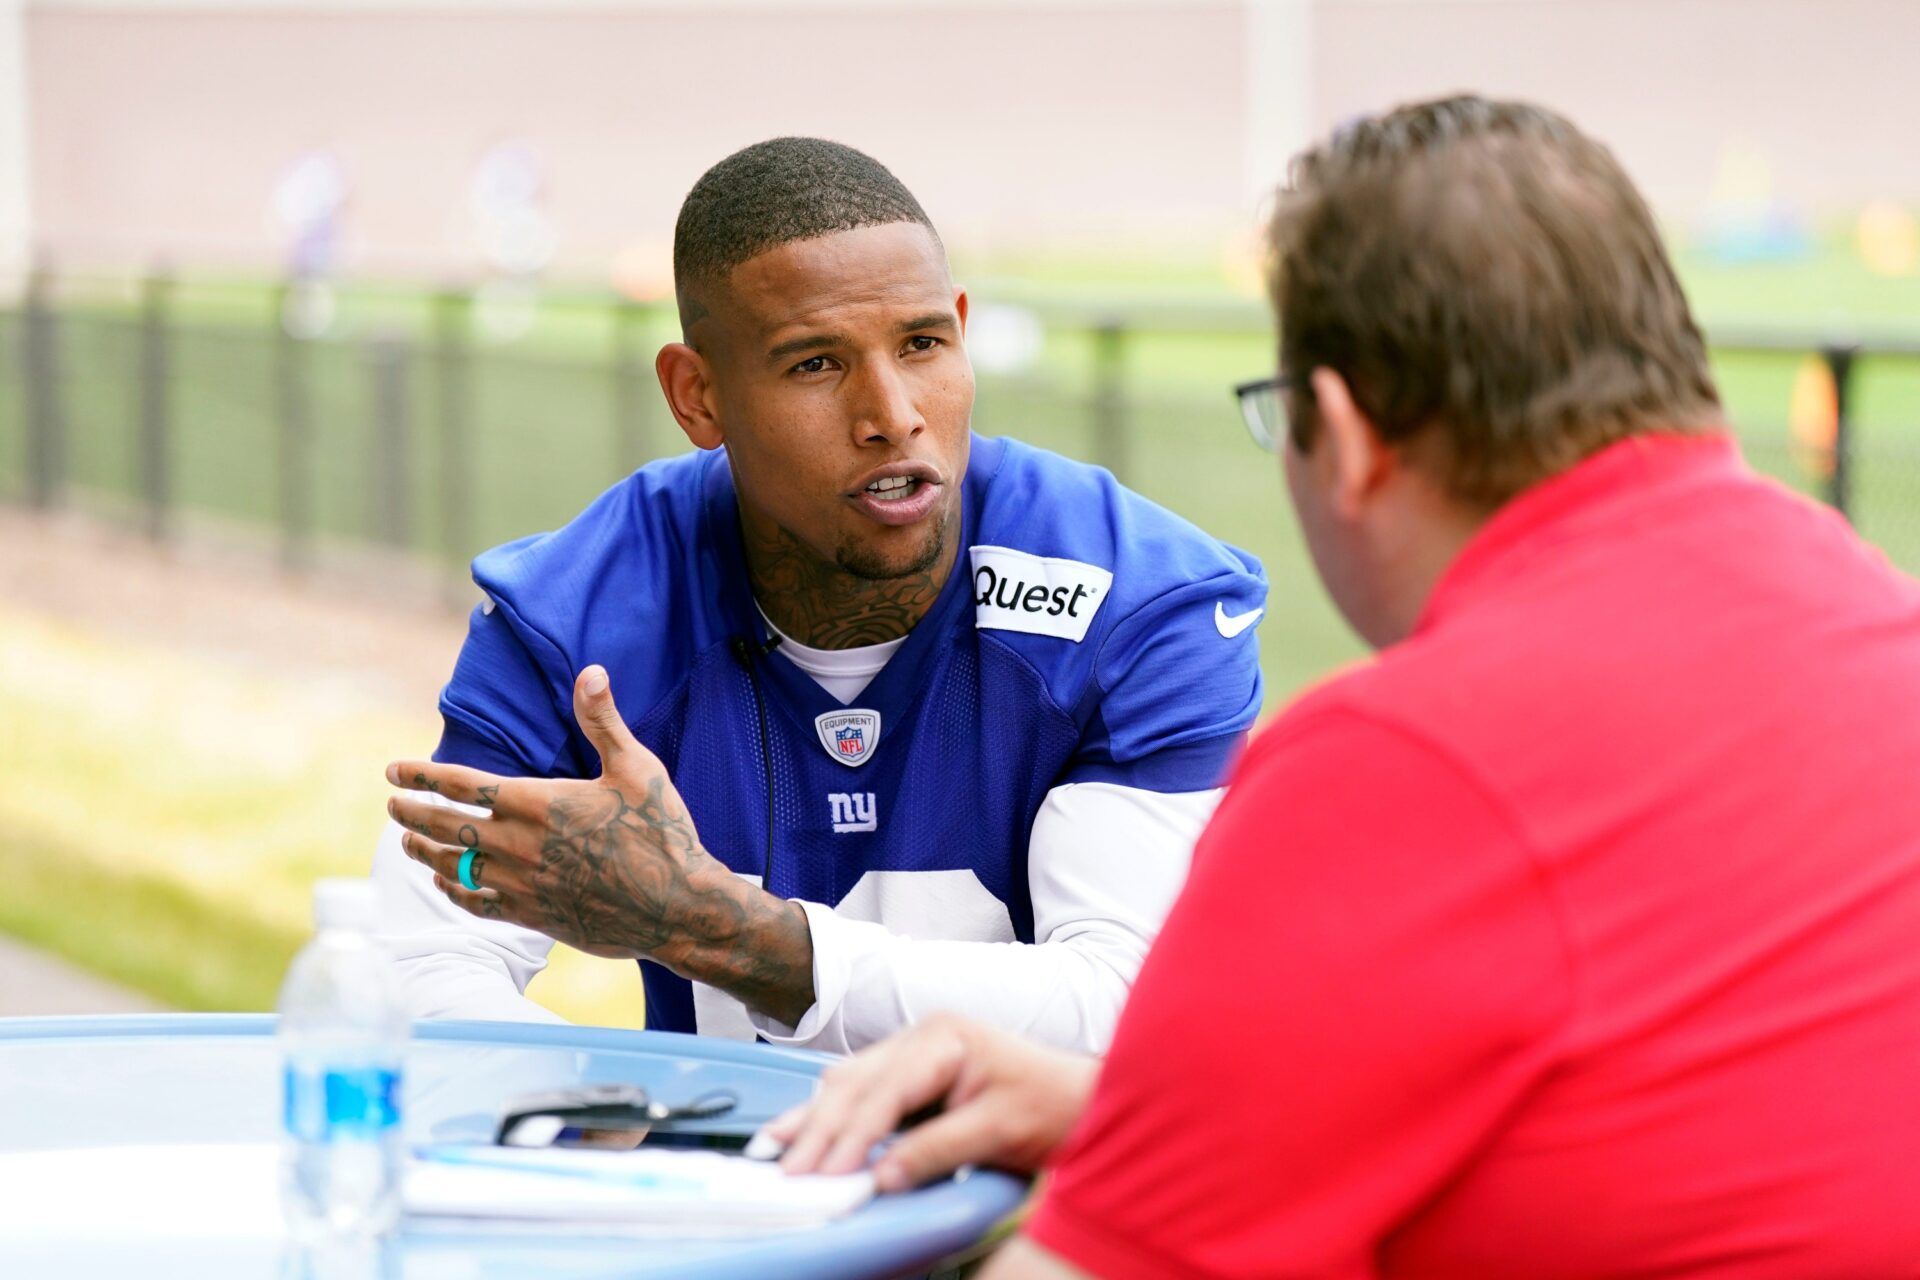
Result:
<point x="614" y="584"/>
<point x="1071" y="569"/>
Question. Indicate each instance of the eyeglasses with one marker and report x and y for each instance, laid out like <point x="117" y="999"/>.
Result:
<point x="538" y="1120"/>
<point x="1263" y="410"/>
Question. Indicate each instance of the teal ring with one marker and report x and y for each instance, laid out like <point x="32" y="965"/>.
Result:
<point x="466" y="871"/>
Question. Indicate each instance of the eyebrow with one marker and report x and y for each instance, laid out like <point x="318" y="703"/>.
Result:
<point x="812" y="342"/>
<point x="827" y="341"/>
<point x="931" y="320"/>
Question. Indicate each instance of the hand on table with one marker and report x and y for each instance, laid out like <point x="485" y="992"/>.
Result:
<point x="1009" y="1103"/>
<point x="611" y="866"/>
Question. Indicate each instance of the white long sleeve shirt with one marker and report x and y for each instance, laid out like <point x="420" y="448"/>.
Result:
<point x="1104" y="865"/>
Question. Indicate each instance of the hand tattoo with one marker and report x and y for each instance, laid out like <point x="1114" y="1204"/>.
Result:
<point x="629" y="871"/>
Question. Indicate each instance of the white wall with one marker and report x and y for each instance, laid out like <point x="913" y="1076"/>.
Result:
<point x="1279" y="110"/>
<point x="16" y="229"/>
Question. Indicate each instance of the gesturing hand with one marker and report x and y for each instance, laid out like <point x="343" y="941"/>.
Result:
<point x="611" y="866"/>
<point x="1009" y="1102"/>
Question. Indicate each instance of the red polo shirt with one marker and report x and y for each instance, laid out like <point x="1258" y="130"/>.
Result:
<point x="1578" y="935"/>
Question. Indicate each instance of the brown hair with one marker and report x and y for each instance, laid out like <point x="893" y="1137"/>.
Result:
<point x="1492" y="288"/>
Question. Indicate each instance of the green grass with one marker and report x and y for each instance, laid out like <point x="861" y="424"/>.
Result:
<point x="163" y="816"/>
<point x="142" y="929"/>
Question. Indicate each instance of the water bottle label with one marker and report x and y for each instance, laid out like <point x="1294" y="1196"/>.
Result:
<point x="356" y="1102"/>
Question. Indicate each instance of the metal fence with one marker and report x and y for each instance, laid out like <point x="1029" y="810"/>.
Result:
<point x="162" y="402"/>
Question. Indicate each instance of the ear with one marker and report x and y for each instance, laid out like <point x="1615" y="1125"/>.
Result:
<point x="686" y="381"/>
<point x="1361" y="462"/>
<point x="960" y="309"/>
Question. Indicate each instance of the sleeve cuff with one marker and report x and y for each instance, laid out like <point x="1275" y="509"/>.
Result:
<point x="837" y="941"/>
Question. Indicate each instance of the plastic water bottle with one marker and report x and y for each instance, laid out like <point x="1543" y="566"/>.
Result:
<point x="343" y="1033"/>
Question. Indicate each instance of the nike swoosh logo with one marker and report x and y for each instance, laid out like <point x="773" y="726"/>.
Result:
<point x="1233" y="626"/>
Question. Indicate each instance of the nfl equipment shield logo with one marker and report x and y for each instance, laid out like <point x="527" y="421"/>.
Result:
<point x="849" y="736"/>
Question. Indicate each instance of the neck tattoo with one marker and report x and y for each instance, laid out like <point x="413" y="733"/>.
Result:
<point x="822" y="606"/>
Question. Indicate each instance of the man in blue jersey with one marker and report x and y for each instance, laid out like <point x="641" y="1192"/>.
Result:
<point x="848" y="716"/>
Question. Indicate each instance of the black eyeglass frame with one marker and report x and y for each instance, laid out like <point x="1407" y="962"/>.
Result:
<point x="1261" y="392"/>
<point x="609" y="1106"/>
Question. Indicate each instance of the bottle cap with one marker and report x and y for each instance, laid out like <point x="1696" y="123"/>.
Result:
<point x="345" y="902"/>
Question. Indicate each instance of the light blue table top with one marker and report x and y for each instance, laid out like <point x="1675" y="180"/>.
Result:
<point x="102" y="1082"/>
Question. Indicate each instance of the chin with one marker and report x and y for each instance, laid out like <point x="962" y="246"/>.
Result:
<point x="896" y="556"/>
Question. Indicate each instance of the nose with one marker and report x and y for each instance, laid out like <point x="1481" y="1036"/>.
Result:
<point x="886" y="413"/>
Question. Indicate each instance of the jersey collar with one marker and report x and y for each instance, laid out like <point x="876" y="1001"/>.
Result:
<point x="895" y="691"/>
<point x="1633" y="470"/>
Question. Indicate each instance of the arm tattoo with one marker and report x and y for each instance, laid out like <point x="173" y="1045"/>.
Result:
<point x="630" y="872"/>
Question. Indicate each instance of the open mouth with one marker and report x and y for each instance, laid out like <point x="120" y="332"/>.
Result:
<point x="895" y="488"/>
<point x="902" y="493"/>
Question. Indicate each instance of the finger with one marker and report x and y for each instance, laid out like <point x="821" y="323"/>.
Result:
<point x="826" y="1117"/>
<point x="444" y="860"/>
<point x="879" y="1112"/>
<point x="930" y="1060"/>
<point x="977" y="1133"/>
<point x="864" y="1099"/>
<point x="454" y="781"/>
<point x="488" y="904"/>
<point x="448" y="826"/>
<point x="599" y="718"/>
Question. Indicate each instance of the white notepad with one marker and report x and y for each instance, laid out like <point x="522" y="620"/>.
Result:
<point x="650" y="1191"/>
<point x="231" y="1192"/>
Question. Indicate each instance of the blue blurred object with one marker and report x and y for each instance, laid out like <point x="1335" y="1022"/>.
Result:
<point x="1765" y="233"/>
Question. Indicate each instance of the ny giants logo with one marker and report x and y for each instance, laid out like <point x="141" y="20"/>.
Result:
<point x="853" y="811"/>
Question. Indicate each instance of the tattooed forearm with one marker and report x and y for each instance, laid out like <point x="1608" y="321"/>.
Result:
<point x="772" y="972"/>
<point x="628" y="871"/>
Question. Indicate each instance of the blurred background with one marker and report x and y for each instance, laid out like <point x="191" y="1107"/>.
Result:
<point x="303" y="302"/>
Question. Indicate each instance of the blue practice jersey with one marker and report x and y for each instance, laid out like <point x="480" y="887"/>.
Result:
<point x="1086" y="635"/>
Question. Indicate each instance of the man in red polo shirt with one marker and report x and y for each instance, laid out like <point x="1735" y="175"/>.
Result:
<point x="1577" y="934"/>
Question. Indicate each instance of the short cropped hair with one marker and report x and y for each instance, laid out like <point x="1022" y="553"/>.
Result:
<point x="1493" y="289"/>
<point x="773" y="193"/>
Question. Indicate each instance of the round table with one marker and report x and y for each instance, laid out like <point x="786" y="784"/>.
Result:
<point x="74" y="1089"/>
